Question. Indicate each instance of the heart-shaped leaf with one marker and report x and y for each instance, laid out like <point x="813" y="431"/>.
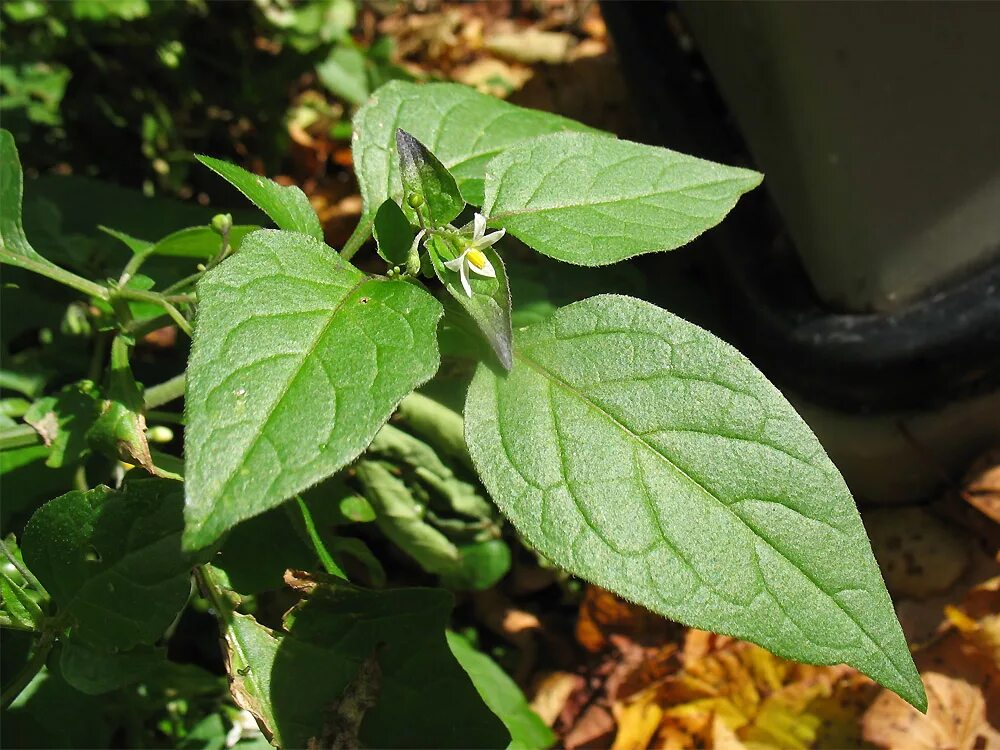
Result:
<point x="298" y="359"/>
<point x="643" y="454"/>
<point x="592" y="201"/>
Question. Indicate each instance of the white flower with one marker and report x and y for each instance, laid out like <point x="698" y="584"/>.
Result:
<point x="472" y="258"/>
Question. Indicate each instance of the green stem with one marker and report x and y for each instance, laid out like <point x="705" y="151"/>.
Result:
<point x="18" y="437"/>
<point x="358" y="238"/>
<point x="165" y="392"/>
<point x="54" y="272"/>
<point x="26" y="574"/>
<point x="33" y="667"/>
<point x="140" y="295"/>
<point x="140" y="328"/>
<point x="324" y="555"/>
<point x="183" y="283"/>
<point x="169" y="417"/>
<point x="133" y="266"/>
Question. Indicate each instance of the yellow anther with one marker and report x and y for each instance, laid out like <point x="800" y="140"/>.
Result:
<point x="477" y="259"/>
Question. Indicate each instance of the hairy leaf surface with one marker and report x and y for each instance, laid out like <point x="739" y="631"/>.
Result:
<point x="113" y="560"/>
<point x="645" y="455"/>
<point x="298" y="359"/>
<point x="464" y="129"/>
<point x="592" y="201"/>
<point x="288" y="207"/>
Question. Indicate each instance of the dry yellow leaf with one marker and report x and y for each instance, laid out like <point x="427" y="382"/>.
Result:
<point x="956" y="719"/>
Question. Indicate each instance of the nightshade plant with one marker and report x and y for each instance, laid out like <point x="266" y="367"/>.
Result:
<point x="626" y="445"/>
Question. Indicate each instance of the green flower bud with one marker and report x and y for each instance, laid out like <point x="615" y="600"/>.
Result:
<point x="222" y="223"/>
<point x="415" y="200"/>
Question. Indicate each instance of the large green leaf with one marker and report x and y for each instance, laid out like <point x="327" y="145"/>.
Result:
<point x="589" y="200"/>
<point x="643" y="454"/>
<point x="298" y="359"/>
<point x="365" y="668"/>
<point x="503" y="696"/>
<point x="464" y="129"/>
<point x="112" y="560"/>
<point x="288" y="207"/>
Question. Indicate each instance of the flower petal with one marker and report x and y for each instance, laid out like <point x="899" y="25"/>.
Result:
<point x="479" y="227"/>
<point x="464" y="273"/>
<point x="487" y="270"/>
<point x="416" y="241"/>
<point x="456" y="264"/>
<point x="491" y="239"/>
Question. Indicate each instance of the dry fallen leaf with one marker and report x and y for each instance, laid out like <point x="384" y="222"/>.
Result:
<point x="603" y="614"/>
<point x="956" y="719"/>
<point x="919" y="555"/>
<point x="551" y="694"/>
<point x="637" y="722"/>
<point x="982" y="485"/>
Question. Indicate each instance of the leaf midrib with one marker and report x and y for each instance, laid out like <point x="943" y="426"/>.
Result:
<point x="611" y="201"/>
<point x="558" y="381"/>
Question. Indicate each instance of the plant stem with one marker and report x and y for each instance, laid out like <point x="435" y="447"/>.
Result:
<point x="154" y="298"/>
<point x="140" y="328"/>
<point x="26" y="574"/>
<point x="358" y="238"/>
<point x="55" y="273"/>
<point x="170" y="417"/>
<point x="33" y="667"/>
<point x="183" y="283"/>
<point x="133" y="266"/>
<point x="18" y="437"/>
<point x="165" y="392"/>
<point x="324" y="555"/>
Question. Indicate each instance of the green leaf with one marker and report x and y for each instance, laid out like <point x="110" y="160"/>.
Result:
<point x="393" y="233"/>
<point x="424" y="177"/>
<point x="134" y="244"/>
<point x="298" y="359"/>
<point x="112" y="561"/>
<point x="12" y="239"/>
<point x="17" y="603"/>
<point x="503" y="696"/>
<point x="49" y="713"/>
<point x="593" y="201"/>
<point x="94" y="671"/>
<point x="643" y="454"/>
<point x="62" y="421"/>
<point x="480" y="567"/>
<point x="382" y="654"/>
<point x="200" y="242"/>
<point x="345" y="73"/>
<point x="464" y="128"/>
<point x="288" y="207"/>
<point x="489" y="305"/>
